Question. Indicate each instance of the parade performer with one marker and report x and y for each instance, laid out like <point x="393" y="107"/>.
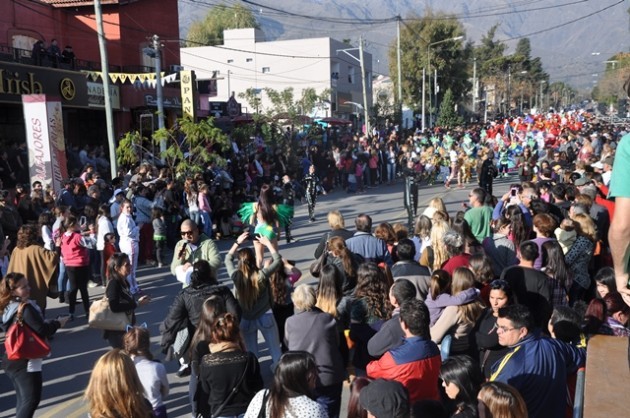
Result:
<point x="311" y="184"/>
<point x="266" y="218"/>
<point x="288" y="199"/>
<point x="412" y="180"/>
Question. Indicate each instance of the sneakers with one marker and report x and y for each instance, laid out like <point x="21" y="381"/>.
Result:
<point x="183" y="371"/>
<point x="92" y="284"/>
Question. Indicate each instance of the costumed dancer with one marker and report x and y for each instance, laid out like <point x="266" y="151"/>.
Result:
<point x="412" y="180"/>
<point x="487" y="172"/>
<point x="267" y="218"/>
<point x="288" y="199"/>
<point x="311" y="183"/>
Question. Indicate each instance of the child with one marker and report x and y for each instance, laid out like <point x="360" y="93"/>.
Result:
<point x="159" y="235"/>
<point x="152" y="374"/>
<point x="566" y="235"/>
<point x="109" y="249"/>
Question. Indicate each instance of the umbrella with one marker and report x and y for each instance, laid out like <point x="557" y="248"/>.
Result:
<point x="336" y="121"/>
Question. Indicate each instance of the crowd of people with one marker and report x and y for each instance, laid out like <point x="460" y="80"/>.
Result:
<point x="481" y="311"/>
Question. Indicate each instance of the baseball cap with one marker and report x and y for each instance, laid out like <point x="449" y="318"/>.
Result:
<point x="581" y="181"/>
<point x="385" y="399"/>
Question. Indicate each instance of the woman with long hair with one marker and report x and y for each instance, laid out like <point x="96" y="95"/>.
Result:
<point x="471" y="244"/>
<point x="436" y="254"/>
<point x="458" y="321"/>
<point x="291" y="391"/>
<point x="421" y="235"/>
<point x="281" y="282"/>
<point x="369" y="310"/>
<point x="608" y="316"/>
<point x="75" y="246"/>
<point x="355" y="410"/>
<point x="191" y="200"/>
<point x="228" y="374"/>
<point x="500" y="400"/>
<point x="578" y="258"/>
<point x="25" y="375"/>
<point x="253" y="293"/>
<point x="115" y="390"/>
<point x="330" y="299"/>
<point x="544" y="227"/>
<point x="559" y="274"/>
<point x="486" y="328"/>
<point x="461" y="381"/>
<point x="385" y="232"/>
<point x="104" y="226"/>
<point x="129" y="234"/>
<point x="35" y="262"/>
<point x="605" y="282"/>
<point x="346" y="262"/>
<point x="435" y="204"/>
<point x="152" y="374"/>
<point x="212" y="308"/>
<point x="118" y="293"/>
<point x="481" y="266"/>
<point x="499" y="248"/>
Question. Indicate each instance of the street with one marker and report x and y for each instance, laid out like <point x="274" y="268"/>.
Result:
<point x="76" y="348"/>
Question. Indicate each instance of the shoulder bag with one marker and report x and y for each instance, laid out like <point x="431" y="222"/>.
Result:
<point x="234" y="390"/>
<point x="22" y="343"/>
<point x="102" y="317"/>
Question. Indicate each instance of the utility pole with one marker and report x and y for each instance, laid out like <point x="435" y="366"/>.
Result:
<point x="474" y="101"/>
<point x="363" y="83"/>
<point x="399" y="65"/>
<point x="158" y="87"/>
<point x="109" y="114"/>
<point x="509" y="91"/>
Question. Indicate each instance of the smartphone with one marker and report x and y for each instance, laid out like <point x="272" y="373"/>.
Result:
<point x="82" y="220"/>
<point x="513" y="191"/>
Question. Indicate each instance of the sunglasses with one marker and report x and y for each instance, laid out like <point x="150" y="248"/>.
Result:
<point x="188" y="233"/>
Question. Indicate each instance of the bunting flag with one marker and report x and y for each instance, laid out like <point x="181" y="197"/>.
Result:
<point x="131" y="77"/>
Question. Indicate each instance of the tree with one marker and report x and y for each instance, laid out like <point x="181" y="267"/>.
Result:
<point x="190" y="146"/>
<point x="209" y="31"/>
<point x="448" y="117"/>
<point x="449" y="59"/>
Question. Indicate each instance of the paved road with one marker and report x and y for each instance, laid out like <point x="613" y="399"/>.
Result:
<point x="76" y="348"/>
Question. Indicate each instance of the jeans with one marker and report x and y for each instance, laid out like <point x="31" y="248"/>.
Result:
<point x="266" y="324"/>
<point x="330" y="397"/>
<point x="62" y="280"/>
<point x="28" y="387"/>
<point x="391" y="172"/>
<point x="207" y="222"/>
<point x="78" y="277"/>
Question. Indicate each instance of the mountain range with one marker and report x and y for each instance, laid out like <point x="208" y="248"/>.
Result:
<point x="573" y="37"/>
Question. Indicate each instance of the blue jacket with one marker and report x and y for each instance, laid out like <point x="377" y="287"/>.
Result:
<point x="538" y="367"/>
<point x="369" y="247"/>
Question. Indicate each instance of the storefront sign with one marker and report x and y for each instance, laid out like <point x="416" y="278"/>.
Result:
<point x="187" y="79"/>
<point x="45" y="140"/>
<point x="167" y="102"/>
<point x="19" y="79"/>
<point x="96" y="96"/>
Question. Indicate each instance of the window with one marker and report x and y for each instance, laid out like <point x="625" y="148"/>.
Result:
<point x="265" y="70"/>
<point x="350" y="74"/>
<point x="249" y="59"/>
<point x="230" y="61"/>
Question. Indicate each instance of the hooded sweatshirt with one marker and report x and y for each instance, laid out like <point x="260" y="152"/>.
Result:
<point x="74" y="249"/>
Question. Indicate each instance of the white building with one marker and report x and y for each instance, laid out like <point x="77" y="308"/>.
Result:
<point x="246" y="61"/>
<point x="383" y="90"/>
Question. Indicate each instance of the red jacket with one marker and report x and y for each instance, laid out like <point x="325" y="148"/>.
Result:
<point x="72" y="250"/>
<point x="415" y="364"/>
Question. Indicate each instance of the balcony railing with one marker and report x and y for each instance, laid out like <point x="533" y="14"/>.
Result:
<point x="23" y="56"/>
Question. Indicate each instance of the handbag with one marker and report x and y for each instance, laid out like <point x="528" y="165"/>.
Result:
<point x="317" y="265"/>
<point x="102" y="317"/>
<point x="22" y="343"/>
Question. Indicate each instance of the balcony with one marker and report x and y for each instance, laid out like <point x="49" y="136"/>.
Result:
<point x="23" y="56"/>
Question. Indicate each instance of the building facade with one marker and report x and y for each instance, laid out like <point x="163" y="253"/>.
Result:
<point x="246" y="61"/>
<point x="128" y="26"/>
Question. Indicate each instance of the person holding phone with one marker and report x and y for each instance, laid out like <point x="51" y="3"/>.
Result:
<point x="118" y="292"/>
<point x="253" y="293"/>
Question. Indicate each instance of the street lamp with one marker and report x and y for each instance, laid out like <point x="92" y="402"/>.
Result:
<point x="457" y="38"/>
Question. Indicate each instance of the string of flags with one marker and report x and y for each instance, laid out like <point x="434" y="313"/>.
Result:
<point x="138" y="79"/>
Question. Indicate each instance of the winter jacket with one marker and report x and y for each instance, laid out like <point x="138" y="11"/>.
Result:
<point x="205" y="249"/>
<point x="186" y="309"/>
<point x="74" y="249"/>
<point x="415" y="364"/>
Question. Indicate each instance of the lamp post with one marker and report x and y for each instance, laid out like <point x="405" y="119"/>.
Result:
<point x="457" y="38"/>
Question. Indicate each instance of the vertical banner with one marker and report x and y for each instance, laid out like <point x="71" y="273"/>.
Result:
<point x="187" y="81"/>
<point x="45" y="140"/>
